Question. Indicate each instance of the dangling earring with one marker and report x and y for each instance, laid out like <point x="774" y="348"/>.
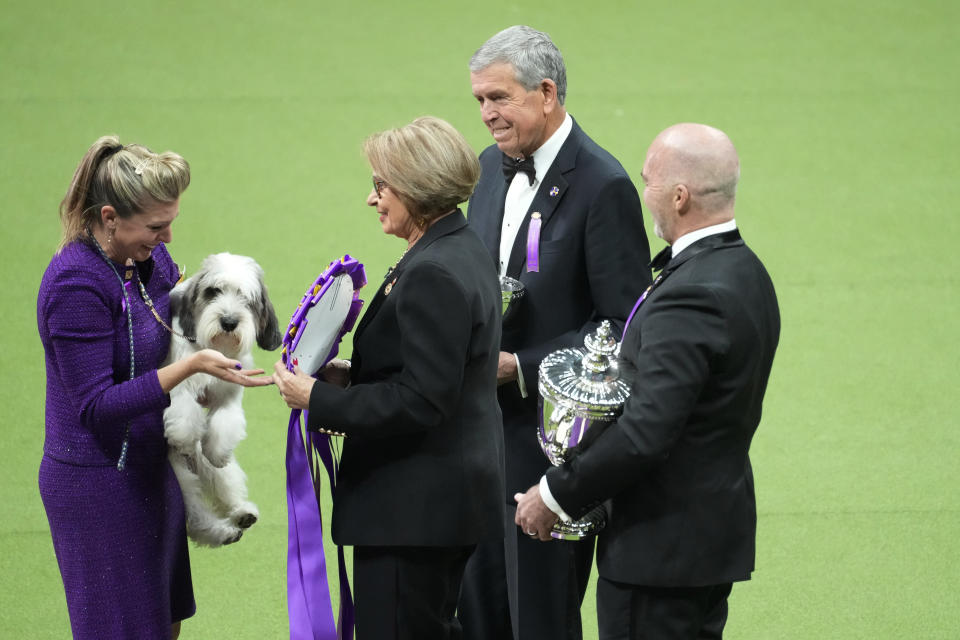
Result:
<point x="110" y="232"/>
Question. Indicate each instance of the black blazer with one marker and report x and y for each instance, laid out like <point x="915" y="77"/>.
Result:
<point x="422" y="463"/>
<point x="676" y="463"/>
<point x="593" y="266"/>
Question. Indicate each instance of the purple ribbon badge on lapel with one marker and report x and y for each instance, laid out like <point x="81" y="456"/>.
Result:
<point x="327" y="311"/>
<point x="533" y="243"/>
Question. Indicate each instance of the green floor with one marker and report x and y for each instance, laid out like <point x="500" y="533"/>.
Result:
<point x="845" y="117"/>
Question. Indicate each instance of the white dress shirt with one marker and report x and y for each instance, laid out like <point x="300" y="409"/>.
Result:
<point x="688" y="239"/>
<point x="520" y="193"/>
<point x="519" y="197"/>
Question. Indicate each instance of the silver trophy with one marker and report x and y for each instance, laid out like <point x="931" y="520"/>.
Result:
<point x="511" y="290"/>
<point x="580" y="390"/>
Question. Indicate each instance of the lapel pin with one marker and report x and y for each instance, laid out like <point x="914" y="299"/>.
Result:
<point x="554" y="191"/>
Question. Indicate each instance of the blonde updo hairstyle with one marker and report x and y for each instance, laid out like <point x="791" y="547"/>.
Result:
<point x="129" y="178"/>
<point x="428" y="164"/>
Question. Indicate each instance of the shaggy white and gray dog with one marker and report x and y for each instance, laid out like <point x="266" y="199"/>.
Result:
<point x="225" y="307"/>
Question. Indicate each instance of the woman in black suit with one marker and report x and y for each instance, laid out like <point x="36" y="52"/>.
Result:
<point x="421" y="474"/>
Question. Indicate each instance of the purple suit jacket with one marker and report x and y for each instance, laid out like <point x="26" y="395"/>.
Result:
<point x="83" y="326"/>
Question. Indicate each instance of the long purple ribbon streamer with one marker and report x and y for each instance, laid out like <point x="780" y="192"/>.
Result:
<point x="308" y="590"/>
<point x="533" y="243"/>
<point x="308" y="600"/>
<point x="325" y="450"/>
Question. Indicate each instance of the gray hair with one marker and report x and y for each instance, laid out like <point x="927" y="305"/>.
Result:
<point x="427" y="163"/>
<point x="128" y="178"/>
<point x="532" y="55"/>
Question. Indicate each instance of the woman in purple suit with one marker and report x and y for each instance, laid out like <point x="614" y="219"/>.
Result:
<point x="114" y="506"/>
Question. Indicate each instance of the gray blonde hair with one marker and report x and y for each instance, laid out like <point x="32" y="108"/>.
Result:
<point x="531" y="53"/>
<point x="427" y="163"/>
<point x="129" y="178"/>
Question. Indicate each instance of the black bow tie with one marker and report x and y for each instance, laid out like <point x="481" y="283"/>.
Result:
<point x="525" y="165"/>
<point x="661" y="259"/>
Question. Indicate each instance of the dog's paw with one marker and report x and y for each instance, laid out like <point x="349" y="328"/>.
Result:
<point x="234" y="537"/>
<point x="216" y="535"/>
<point x="186" y="446"/>
<point x="246" y="520"/>
<point x="182" y="445"/>
<point x="218" y="460"/>
<point x="183" y="424"/>
<point x="216" y="456"/>
<point x="189" y="453"/>
<point x="245" y="515"/>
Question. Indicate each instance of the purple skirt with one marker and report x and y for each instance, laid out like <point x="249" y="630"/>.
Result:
<point x="121" y="543"/>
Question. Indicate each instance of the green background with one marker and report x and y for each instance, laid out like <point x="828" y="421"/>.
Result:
<point x="845" y="118"/>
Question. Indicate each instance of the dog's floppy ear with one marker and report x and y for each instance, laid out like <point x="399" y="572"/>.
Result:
<point x="183" y="300"/>
<point x="268" y="331"/>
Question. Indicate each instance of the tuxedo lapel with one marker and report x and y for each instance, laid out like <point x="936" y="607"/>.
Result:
<point x="495" y="193"/>
<point x="545" y="203"/>
<point x="716" y="241"/>
<point x="710" y="243"/>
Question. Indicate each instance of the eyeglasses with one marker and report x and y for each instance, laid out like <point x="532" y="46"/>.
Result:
<point x="378" y="185"/>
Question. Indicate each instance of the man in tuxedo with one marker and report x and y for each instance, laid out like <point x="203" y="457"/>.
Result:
<point x="698" y="349"/>
<point x="561" y="215"/>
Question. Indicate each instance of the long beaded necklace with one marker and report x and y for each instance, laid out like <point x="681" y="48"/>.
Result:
<point x="122" y="461"/>
<point x="147" y="301"/>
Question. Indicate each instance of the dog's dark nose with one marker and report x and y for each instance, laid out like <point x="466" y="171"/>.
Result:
<point x="228" y="323"/>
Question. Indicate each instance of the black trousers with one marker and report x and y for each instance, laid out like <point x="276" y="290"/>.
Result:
<point x="525" y="589"/>
<point x="408" y="593"/>
<point x="632" y="612"/>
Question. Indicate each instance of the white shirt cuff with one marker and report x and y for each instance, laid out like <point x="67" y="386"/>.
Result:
<point x="549" y="500"/>
<point x="520" y="381"/>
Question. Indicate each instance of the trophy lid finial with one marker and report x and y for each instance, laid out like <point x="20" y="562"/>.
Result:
<point x="588" y="379"/>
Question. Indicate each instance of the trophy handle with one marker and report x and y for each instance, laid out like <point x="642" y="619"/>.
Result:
<point x="561" y="418"/>
<point x="552" y="431"/>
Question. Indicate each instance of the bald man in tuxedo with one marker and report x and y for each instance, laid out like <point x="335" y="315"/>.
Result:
<point x="676" y="466"/>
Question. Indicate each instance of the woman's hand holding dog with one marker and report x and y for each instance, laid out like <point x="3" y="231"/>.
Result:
<point x="213" y="363"/>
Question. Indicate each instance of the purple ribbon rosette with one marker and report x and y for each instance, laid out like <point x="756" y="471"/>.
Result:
<point x="327" y="311"/>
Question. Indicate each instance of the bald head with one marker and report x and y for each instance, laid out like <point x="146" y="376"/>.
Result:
<point x="691" y="173"/>
<point x="702" y="158"/>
